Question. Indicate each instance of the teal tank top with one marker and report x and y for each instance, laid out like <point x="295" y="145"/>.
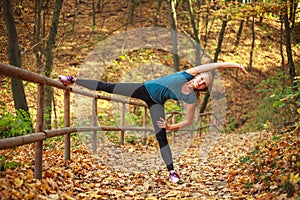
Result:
<point x="169" y="87"/>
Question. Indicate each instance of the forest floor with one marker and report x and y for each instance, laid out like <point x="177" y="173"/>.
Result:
<point x="217" y="174"/>
<point x="256" y="165"/>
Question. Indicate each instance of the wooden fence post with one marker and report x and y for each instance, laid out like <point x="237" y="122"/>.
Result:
<point x="38" y="165"/>
<point x="122" y="123"/>
<point x="214" y="123"/>
<point x="144" y="125"/>
<point x="67" y="137"/>
<point x="180" y="132"/>
<point x="200" y="125"/>
<point x="94" y="136"/>
<point x="173" y="132"/>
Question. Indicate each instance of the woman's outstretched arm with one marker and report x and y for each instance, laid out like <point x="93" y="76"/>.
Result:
<point x="212" y="66"/>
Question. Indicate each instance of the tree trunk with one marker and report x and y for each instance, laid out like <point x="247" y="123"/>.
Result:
<point x="281" y="49"/>
<point x="14" y="56"/>
<point x="293" y="8"/>
<point x="195" y="30"/>
<point x="37" y="35"/>
<point x="208" y="29"/>
<point x="220" y="40"/>
<point x="157" y="12"/>
<point x="218" y="50"/>
<point x="100" y="5"/>
<point x="239" y="34"/>
<point x="174" y="34"/>
<point x="132" y="11"/>
<point x="289" y="52"/>
<point x="45" y="13"/>
<point x="199" y="3"/>
<point x="253" y="43"/>
<point x="49" y="61"/>
<point x="93" y="16"/>
<point x="74" y="19"/>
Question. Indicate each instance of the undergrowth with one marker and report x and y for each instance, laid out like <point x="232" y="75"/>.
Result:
<point x="280" y="106"/>
<point x="12" y="125"/>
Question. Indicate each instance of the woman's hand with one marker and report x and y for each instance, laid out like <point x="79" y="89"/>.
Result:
<point x="162" y="123"/>
<point x="244" y="71"/>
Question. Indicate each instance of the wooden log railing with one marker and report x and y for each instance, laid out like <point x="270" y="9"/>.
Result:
<point x="211" y="122"/>
<point x="172" y="118"/>
<point x="40" y="134"/>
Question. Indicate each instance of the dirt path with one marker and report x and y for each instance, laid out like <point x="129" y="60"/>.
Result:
<point x="208" y="167"/>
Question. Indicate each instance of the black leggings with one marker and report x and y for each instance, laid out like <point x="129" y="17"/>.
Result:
<point x="137" y="90"/>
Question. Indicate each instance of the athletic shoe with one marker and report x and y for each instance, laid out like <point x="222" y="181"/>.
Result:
<point x="66" y="80"/>
<point x="174" y="178"/>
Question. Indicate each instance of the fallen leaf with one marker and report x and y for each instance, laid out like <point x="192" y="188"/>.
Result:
<point x="18" y="182"/>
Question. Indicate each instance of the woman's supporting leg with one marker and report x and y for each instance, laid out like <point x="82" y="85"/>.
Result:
<point x="157" y="111"/>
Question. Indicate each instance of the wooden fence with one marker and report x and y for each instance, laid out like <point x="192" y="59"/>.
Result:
<point x="207" y="120"/>
<point x="41" y="134"/>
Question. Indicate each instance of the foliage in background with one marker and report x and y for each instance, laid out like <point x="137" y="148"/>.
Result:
<point x="280" y="104"/>
<point x="12" y="125"/>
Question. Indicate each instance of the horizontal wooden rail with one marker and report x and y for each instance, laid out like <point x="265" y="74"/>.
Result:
<point x="216" y="124"/>
<point x="36" y="137"/>
<point x="23" y="74"/>
<point x="21" y="140"/>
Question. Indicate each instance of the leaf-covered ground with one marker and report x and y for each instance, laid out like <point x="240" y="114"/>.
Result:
<point x="223" y="166"/>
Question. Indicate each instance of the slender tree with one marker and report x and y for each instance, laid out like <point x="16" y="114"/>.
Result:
<point x="37" y="35"/>
<point x="74" y="18"/>
<point x="49" y="61"/>
<point x="195" y="30"/>
<point x="293" y="11"/>
<point x="207" y="27"/>
<point x="45" y="14"/>
<point x="239" y="34"/>
<point x="253" y="42"/>
<point x="216" y="56"/>
<point x="289" y="52"/>
<point x="100" y="5"/>
<point x="131" y="4"/>
<point x="93" y="16"/>
<point x="281" y="43"/>
<point x="14" y="56"/>
<point x="159" y="4"/>
<point x="174" y="35"/>
<point x="220" y="39"/>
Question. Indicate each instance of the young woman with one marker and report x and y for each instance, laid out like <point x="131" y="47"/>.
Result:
<point x="178" y="86"/>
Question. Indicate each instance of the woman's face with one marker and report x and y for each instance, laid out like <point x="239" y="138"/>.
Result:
<point x="200" y="81"/>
